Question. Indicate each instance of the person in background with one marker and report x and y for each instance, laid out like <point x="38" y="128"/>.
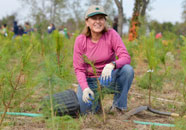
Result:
<point x="64" y="32"/>
<point x="158" y="35"/>
<point x="4" y="30"/>
<point x="20" y="30"/>
<point x="15" y="29"/>
<point x="101" y="45"/>
<point x="115" y="24"/>
<point x="1" y="26"/>
<point x="28" y="28"/>
<point x="51" y="28"/>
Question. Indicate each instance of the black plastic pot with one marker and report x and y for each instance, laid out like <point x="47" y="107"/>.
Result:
<point x="64" y="103"/>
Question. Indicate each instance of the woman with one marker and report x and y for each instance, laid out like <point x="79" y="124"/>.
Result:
<point x="101" y="45"/>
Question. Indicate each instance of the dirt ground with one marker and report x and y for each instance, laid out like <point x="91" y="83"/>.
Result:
<point x="164" y="100"/>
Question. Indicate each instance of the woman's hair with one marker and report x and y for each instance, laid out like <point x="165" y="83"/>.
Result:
<point x="87" y="32"/>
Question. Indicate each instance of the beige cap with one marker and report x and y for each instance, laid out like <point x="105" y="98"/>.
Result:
<point x="94" y="10"/>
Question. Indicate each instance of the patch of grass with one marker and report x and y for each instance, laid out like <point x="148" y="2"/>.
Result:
<point x="180" y="124"/>
<point x="64" y="123"/>
<point x="157" y="82"/>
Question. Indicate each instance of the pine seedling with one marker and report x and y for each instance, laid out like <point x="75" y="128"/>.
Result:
<point x="150" y="53"/>
<point x="51" y="71"/>
<point x="100" y="94"/>
<point x="52" y="80"/>
<point x="163" y="49"/>
<point x="183" y="62"/>
<point x="58" y="39"/>
<point x="16" y="85"/>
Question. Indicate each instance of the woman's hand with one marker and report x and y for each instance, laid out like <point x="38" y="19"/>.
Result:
<point x="87" y="92"/>
<point x="106" y="75"/>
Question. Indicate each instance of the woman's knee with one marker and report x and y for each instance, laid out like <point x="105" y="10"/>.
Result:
<point x="128" y="70"/>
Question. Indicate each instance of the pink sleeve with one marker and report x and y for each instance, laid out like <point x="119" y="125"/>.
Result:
<point x="120" y="50"/>
<point x="78" y="63"/>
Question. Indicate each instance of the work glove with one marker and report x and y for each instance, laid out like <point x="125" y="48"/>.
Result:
<point x="106" y="75"/>
<point x="87" y="93"/>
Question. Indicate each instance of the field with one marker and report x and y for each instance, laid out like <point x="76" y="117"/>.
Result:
<point x="34" y="66"/>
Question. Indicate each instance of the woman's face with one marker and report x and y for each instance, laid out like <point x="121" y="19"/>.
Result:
<point x="96" y="23"/>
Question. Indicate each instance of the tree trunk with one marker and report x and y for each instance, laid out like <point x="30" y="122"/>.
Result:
<point x="54" y="8"/>
<point x="144" y="7"/>
<point x="120" y="16"/>
<point x="134" y="24"/>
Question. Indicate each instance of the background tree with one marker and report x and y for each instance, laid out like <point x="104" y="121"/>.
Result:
<point x="144" y="5"/>
<point x="139" y="12"/>
<point x="56" y="10"/>
<point x="51" y="10"/>
<point x="161" y="27"/>
<point x="119" y="4"/>
<point x="181" y="27"/>
<point x="184" y="10"/>
<point x="37" y="13"/>
<point x="135" y="20"/>
<point x="77" y="15"/>
<point x="9" y="19"/>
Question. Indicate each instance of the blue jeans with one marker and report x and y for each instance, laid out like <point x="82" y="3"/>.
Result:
<point x="121" y="82"/>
